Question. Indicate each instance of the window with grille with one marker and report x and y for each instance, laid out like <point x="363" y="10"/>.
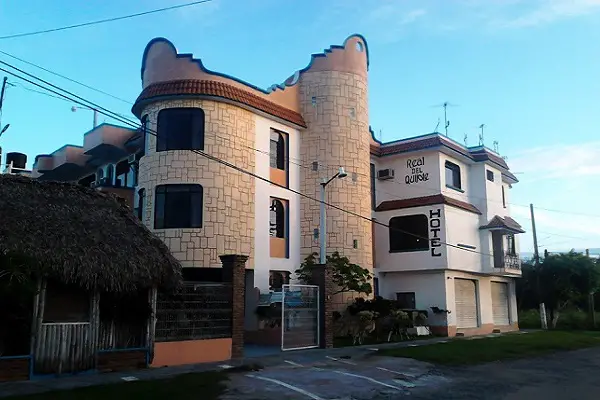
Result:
<point x="180" y="129"/>
<point x="277" y="151"/>
<point x="178" y="206"/>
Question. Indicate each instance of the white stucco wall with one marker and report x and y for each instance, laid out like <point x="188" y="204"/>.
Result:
<point x="263" y="262"/>
<point x="429" y="289"/>
<point x="397" y="188"/>
<point x="408" y="261"/>
<point x="462" y="228"/>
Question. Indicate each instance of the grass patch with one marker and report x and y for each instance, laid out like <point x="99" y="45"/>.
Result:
<point x="511" y="346"/>
<point x="204" y="385"/>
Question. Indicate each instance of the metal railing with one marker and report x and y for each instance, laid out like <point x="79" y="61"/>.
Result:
<point x="508" y="261"/>
<point x="197" y="311"/>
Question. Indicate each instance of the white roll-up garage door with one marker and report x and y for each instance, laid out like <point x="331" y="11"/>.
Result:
<point x="500" y="303"/>
<point x="466" y="303"/>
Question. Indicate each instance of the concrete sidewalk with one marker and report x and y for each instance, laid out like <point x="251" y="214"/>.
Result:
<point x="45" y="384"/>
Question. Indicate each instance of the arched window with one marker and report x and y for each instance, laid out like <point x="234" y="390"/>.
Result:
<point x="99" y="175"/>
<point x="178" y="206"/>
<point x="180" y="129"/>
<point x="277" y="219"/>
<point x="277" y="150"/>
<point x="110" y="173"/>
<point x="144" y="134"/>
<point x="140" y="204"/>
<point x="409" y="233"/>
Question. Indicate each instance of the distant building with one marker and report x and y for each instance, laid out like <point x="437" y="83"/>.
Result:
<point x="429" y="189"/>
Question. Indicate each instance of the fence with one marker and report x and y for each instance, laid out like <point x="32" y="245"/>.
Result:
<point x="197" y="311"/>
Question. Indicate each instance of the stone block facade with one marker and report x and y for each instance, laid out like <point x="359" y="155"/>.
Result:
<point x="228" y="206"/>
<point x="335" y="107"/>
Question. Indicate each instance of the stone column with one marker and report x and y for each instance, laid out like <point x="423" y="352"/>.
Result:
<point x="322" y="277"/>
<point x="234" y="271"/>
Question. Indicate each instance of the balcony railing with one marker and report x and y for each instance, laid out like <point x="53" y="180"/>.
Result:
<point x="510" y="262"/>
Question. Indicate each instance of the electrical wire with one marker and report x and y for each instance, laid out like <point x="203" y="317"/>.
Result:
<point x="84" y="102"/>
<point x="64" y="28"/>
<point x="65" y="77"/>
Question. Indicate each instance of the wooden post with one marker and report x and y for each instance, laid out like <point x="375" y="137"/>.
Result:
<point x="151" y="328"/>
<point x="39" y="317"/>
<point x="95" y="326"/>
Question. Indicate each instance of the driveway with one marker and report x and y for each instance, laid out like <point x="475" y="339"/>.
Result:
<point x="572" y="375"/>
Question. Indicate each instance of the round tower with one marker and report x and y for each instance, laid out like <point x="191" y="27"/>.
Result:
<point x="334" y="104"/>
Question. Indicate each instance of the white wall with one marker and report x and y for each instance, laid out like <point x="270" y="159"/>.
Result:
<point x="264" y="191"/>
<point x="407" y="261"/>
<point x="429" y="289"/>
<point x="462" y="227"/>
<point x="397" y="188"/>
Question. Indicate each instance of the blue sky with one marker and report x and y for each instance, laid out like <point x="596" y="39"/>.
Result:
<point x="528" y="69"/>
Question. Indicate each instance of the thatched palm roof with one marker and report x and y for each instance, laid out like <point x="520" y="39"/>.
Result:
<point x="80" y="235"/>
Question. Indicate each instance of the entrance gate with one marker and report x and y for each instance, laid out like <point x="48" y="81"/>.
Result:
<point x="300" y="317"/>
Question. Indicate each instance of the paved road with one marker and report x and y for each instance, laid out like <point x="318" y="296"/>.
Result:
<point x="572" y="375"/>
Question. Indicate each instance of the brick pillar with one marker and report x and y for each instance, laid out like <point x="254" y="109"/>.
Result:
<point x="322" y="277"/>
<point x="234" y="271"/>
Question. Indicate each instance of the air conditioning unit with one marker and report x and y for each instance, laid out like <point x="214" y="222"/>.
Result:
<point x="384" y="174"/>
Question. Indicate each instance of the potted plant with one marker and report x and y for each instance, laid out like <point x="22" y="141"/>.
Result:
<point x="419" y="327"/>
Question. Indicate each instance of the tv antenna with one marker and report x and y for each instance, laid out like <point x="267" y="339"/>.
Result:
<point x="446" y="104"/>
<point x="496" y="146"/>
<point x="436" y="126"/>
<point x="481" y="134"/>
<point x="465" y="140"/>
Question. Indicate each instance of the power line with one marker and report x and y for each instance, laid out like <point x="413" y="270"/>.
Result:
<point x="111" y="114"/>
<point x="64" y="28"/>
<point x="39" y="91"/>
<point x="66" y="77"/>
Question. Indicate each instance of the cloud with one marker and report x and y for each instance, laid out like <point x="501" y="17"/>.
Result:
<point x="558" y="161"/>
<point x="545" y="12"/>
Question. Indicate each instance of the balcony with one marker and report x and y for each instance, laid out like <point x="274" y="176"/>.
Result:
<point x="507" y="263"/>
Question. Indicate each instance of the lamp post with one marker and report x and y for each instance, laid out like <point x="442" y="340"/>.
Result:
<point x="75" y="108"/>
<point x="323" y="222"/>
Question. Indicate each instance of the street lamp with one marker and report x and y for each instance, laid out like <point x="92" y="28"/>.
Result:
<point x="75" y="108"/>
<point x="323" y="227"/>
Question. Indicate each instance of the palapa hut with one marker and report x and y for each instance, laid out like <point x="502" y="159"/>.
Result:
<point x="78" y="279"/>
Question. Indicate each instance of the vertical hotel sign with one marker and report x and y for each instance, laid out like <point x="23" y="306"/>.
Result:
<point x="435" y="223"/>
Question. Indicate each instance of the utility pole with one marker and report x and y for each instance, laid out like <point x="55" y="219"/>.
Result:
<point x="4" y="81"/>
<point x="536" y="259"/>
<point x="591" y="300"/>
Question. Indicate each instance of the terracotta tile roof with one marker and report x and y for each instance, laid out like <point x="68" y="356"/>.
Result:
<point x="506" y="223"/>
<point x="478" y="154"/>
<point x="217" y="89"/>
<point x="390" y="205"/>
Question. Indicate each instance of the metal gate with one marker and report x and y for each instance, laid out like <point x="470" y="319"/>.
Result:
<point x="300" y="317"/>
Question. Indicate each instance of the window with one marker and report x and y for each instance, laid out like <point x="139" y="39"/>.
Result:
<point x="373" y="199"/>
<point x="277" y="151"/>
<point x="178" y="206"/>
<point x="452" y="175"/>
<point x="144" y="134"/>
<point x="277" y="219"/>
<point x="123" y="175"/>
<point x="406" y="300"/>
<point x="66" y="303"/>
<point x="490" y="175"/>
<point x="110" y="173"/>
<point x="375" y="287"/>
<point x="409" y="233"/>
<point x="180" y="129"/>
<point x="99" y="175"/>
<point x="277" y="279"/>
<point x="510" y="248"/>
<point x="140" y="204"/>
<point x="503" y="197"/>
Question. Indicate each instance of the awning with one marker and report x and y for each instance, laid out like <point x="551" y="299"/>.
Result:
<point x="506" y="224"/>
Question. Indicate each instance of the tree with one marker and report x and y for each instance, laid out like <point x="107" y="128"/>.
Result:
<point x="565" y="281"/>
<point x="347" y="276"/>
